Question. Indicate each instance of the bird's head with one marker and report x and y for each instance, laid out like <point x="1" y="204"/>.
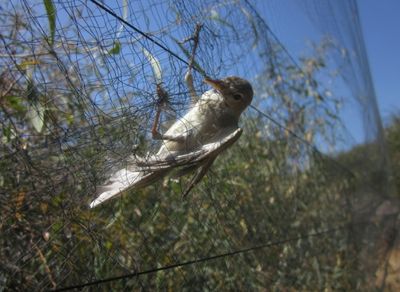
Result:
<point x="237" y="92"/>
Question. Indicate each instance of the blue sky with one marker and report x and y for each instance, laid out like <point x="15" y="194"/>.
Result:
<point x="381" y="27"/>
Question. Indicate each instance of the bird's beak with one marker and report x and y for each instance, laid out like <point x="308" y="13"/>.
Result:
<point x="215" y="83"/>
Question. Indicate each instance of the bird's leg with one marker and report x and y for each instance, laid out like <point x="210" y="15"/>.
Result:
<point x="198" y="176"/>
<point x="188" y="75"/>
<point x="163" y="95"/>
<point x="162" y="99"/>
<point x="154" y="130"/>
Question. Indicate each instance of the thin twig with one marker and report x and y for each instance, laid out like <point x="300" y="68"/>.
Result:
<point x="46" y="266"/>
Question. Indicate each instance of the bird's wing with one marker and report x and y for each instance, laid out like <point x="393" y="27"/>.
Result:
<point x="146" y="171"/>
<point x="199" y="175"/>
<point x="198" y="156"/>
<point x="184" y="170"/>
<point x="224" y="140"/>
<point x="123" y="180"/>
<point x="212" y="150"/>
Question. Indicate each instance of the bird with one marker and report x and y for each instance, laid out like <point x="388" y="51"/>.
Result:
<point x="192" y="143"/>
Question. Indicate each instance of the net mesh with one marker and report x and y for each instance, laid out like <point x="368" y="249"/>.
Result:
<point x="290" y="205"/>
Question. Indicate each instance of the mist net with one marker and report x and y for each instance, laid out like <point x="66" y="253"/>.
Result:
<point x="299" y="202"/>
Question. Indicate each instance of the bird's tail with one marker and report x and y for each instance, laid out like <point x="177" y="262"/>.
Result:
<point x="123" y="180"/>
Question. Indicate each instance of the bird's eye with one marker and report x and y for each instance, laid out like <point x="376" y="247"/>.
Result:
<point x="237" y="96"/>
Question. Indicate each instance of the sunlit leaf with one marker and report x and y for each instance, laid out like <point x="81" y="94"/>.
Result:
<point x="51" y="16"/>
<point x="309" y="137"/>
<point x="28" y="63"/>
<point x="116" y="49"/>
<point x="243" y="225"/>
<point x="14" y="102"/>
<point x="19" y="200"/>
<point x="155" y="65"/>
<point x="36" y="116"/>
<point x="108" y="244"/>
<point x="8" y="134"/>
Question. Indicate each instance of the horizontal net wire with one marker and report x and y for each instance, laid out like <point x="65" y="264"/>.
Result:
<point x="78" y="100"/>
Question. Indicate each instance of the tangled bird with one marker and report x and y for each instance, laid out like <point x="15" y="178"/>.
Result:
<point x="192" y="143"/>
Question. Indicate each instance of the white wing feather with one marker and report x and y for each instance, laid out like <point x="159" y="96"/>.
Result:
<point x="123" y="180"/>
<point x="119" y="182"/>
<point x="151" y="169"/>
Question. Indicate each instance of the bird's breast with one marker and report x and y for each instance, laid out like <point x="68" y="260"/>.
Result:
<point x="201" y="124"/>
